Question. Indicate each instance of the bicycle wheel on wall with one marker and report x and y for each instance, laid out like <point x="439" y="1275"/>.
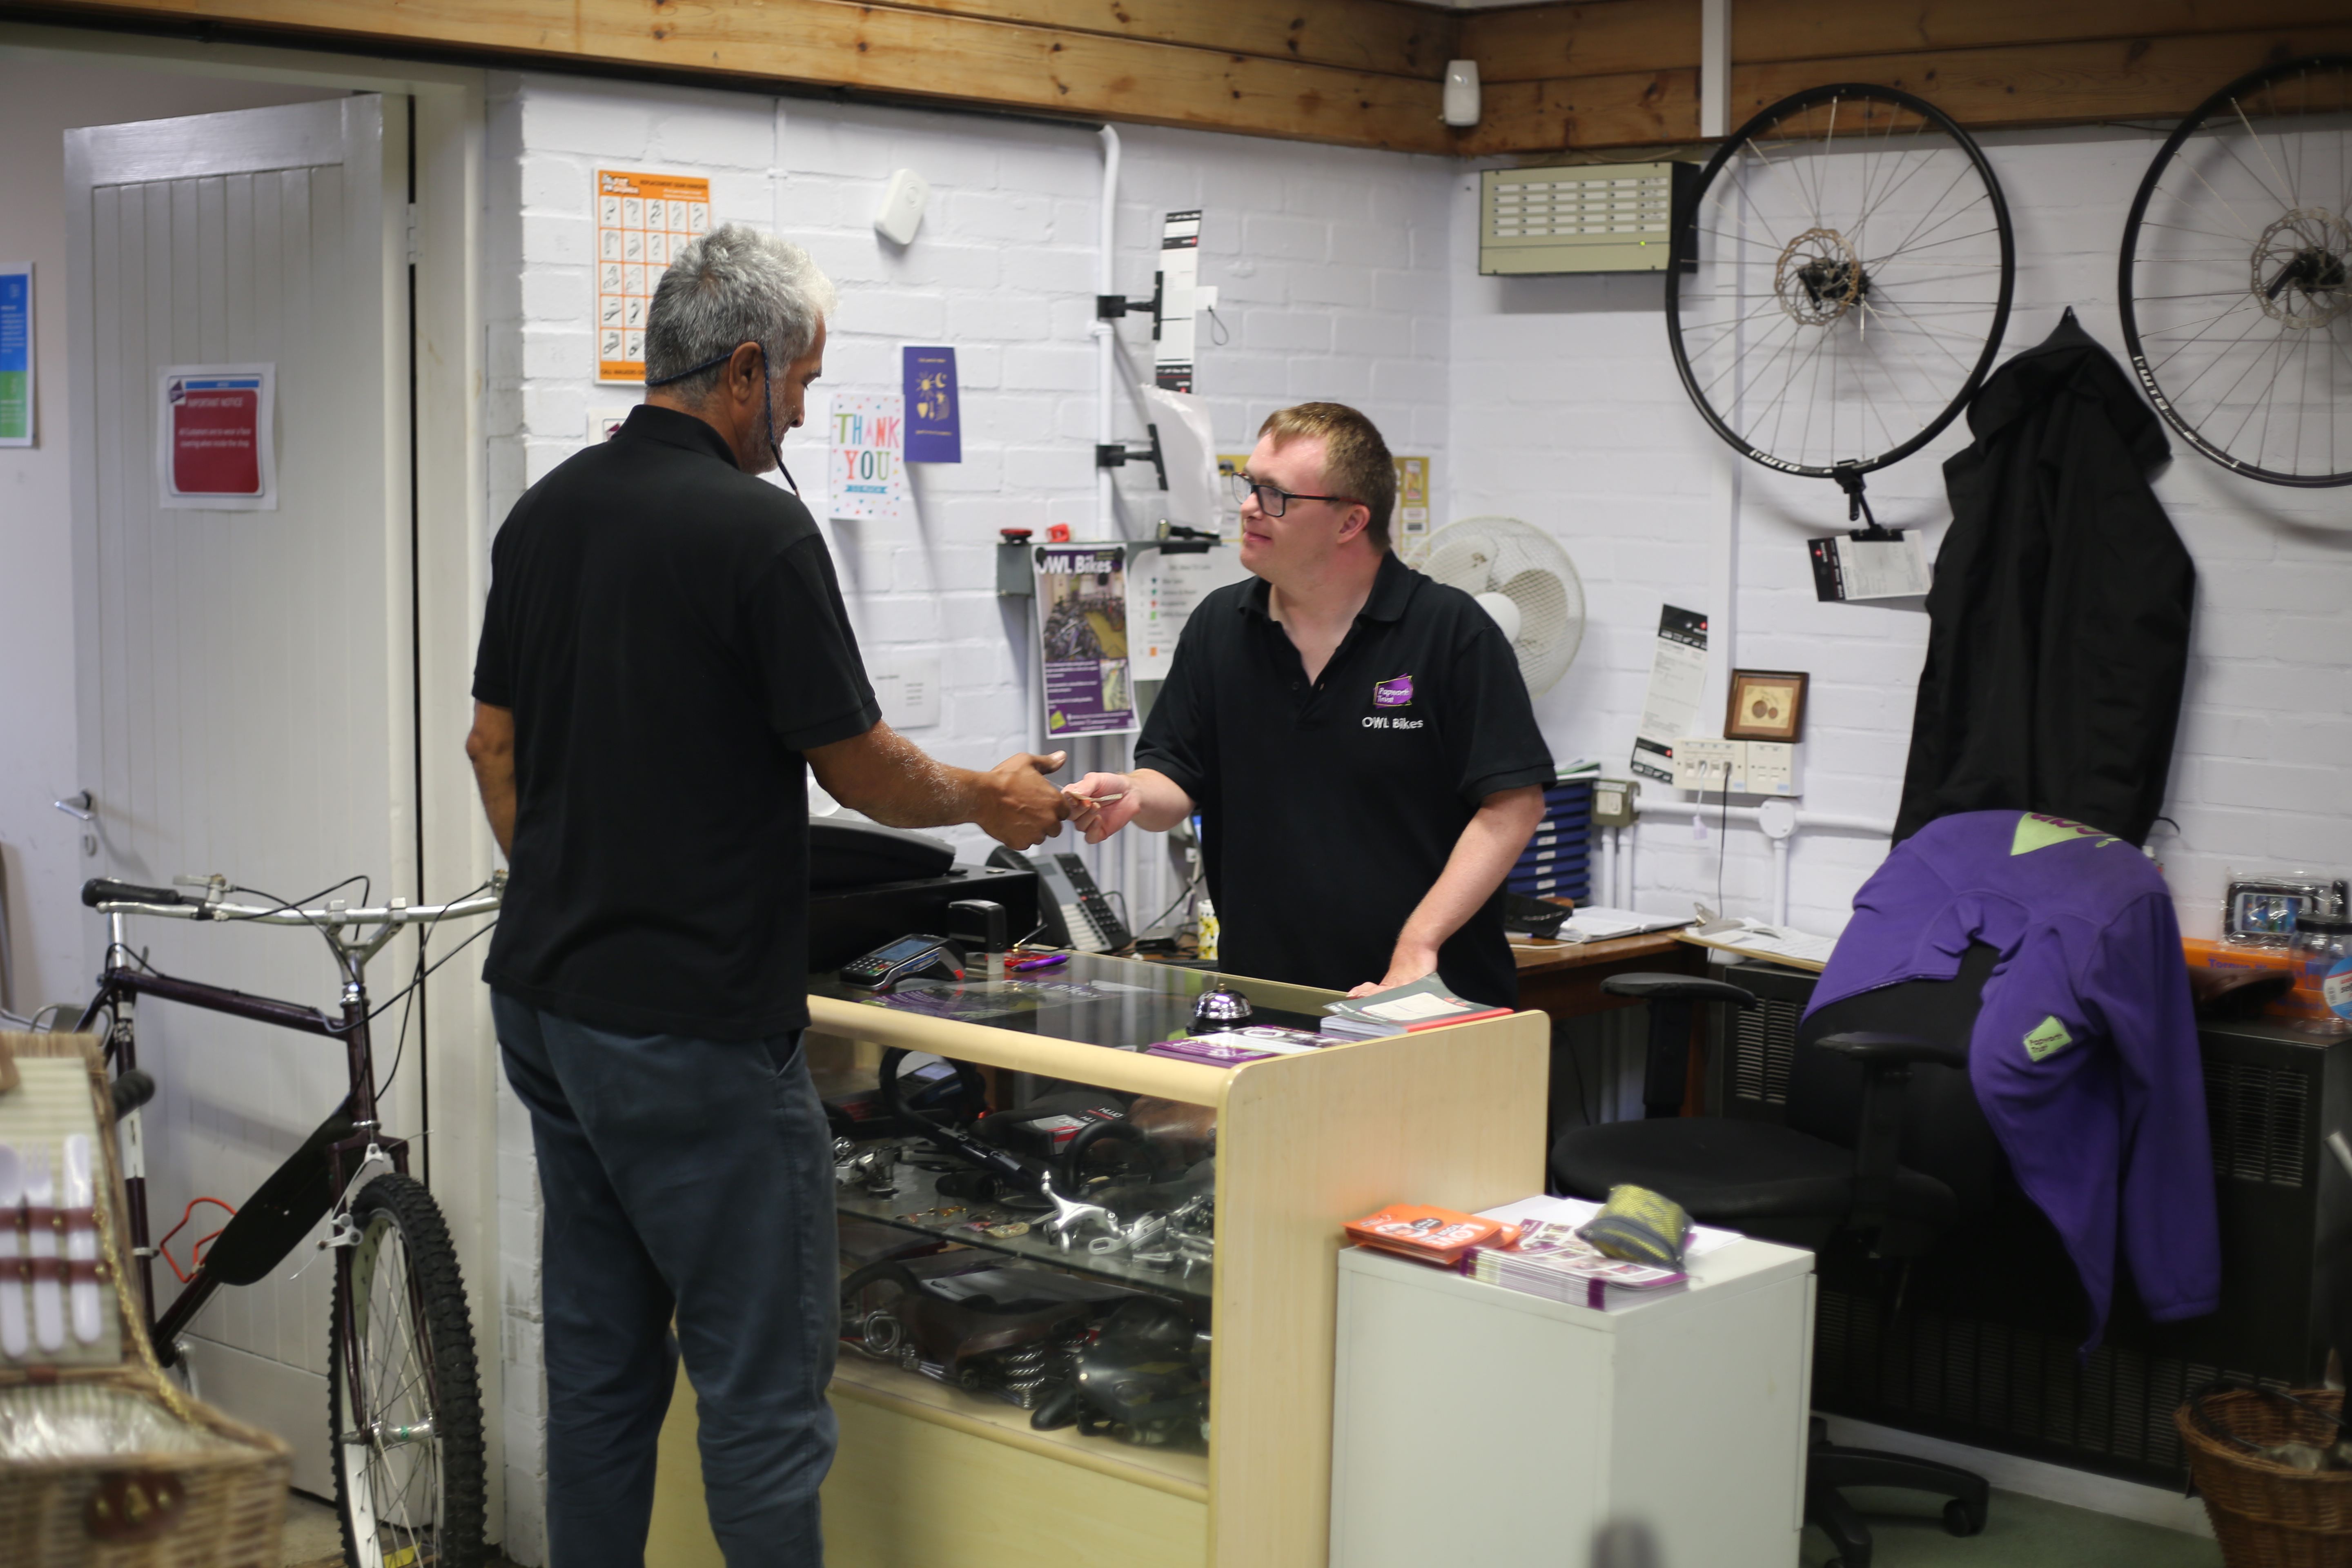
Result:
<point x="404" y="1397"/>
<point x="2236" y="305"/>
<point x="1842" y="280"/>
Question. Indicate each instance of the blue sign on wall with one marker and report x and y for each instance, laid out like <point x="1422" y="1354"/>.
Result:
<point x="16" y="356"/>
<point x="934" y="407"/>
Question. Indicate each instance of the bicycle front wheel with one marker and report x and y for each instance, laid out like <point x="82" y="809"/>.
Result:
<point x="404" y="1397"/>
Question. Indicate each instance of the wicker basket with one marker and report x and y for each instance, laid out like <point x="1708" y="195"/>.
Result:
<point x="2267" y="1514"/>
<point x="200" y="1490"/>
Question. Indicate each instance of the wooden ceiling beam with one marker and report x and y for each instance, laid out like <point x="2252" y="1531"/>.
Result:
<point x="1363" y="73"/>
<point x="1614" y="37"/>
<point x="909" y="52"/>
<point x="1393" y="37"/>
<point x="2038" y="84"/>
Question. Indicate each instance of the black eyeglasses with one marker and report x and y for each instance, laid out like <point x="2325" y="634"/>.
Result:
<point x="1272" y="499"/>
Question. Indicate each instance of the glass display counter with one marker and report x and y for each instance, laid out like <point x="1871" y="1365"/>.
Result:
<point x="1023" y="1372"/>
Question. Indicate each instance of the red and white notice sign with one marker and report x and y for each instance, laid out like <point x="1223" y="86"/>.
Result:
<point x="213" y="445"/>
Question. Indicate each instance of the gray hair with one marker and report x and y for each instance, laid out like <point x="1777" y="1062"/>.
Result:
<point x="734" y="286"/>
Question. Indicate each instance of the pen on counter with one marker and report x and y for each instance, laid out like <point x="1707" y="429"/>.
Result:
<point x="1028" y="963"/>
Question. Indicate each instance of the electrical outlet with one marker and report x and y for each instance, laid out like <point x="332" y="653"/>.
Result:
<point x="1702" y="762"/>
<point x="1772" y="770"/>
<point x="1742" y="767"/>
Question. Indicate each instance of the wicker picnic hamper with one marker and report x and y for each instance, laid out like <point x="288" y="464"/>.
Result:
<point x="2266" y="1513"/>
<point x="104" y="1461"/>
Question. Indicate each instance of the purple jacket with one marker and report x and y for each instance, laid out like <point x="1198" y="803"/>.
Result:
<point x="2085" y="1057"/>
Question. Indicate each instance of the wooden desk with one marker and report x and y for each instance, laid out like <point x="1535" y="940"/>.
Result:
<point x="1564" y="978"/>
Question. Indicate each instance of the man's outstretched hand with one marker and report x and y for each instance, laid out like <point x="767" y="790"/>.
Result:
<point x="1019" y="808"/>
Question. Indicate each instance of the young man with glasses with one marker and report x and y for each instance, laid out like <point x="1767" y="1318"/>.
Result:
<point x="1356" y="738"/>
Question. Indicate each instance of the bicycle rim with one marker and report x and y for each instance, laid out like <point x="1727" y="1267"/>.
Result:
<point x="1842" y="280"/>
<point x="404" y="1398"/>
<point x="2236" y="303"/>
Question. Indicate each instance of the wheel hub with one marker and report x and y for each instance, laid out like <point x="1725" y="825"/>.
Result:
<point x="1819" y="278"/>
<point x="2299" y="268"/>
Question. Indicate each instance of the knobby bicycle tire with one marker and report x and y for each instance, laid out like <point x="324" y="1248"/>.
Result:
<point x="421" y="1363"/>
<point x="1684" y="260"/>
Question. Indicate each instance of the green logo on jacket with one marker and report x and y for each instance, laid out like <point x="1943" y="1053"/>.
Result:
<point x="2048" y="1039"/>
<point x="2037" y="831"/>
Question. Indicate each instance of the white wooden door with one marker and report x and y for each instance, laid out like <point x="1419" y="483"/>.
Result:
<point x="244" y="678"/>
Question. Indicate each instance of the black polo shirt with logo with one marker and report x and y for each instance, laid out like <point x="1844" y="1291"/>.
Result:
<point x="1329" y="808"/>
<point x="670" y="637"/>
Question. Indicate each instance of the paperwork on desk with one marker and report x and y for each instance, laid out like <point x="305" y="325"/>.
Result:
<point x="1592" y="923"/>
<point x="1755" y="939"/>
<point x="1558" y="1273"/>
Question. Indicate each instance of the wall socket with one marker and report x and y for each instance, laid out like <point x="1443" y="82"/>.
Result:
<point x="1745" y="767"/>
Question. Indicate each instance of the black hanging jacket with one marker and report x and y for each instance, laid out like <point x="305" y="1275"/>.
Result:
<point x="2058" y="625"/>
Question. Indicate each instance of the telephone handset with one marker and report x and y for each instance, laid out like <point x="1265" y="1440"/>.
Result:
<point x="1074" y="913"/>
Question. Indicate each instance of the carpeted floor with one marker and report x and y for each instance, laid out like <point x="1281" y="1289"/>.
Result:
<point x="2019" y="1532"/>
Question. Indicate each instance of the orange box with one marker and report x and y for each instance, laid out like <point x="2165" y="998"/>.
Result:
<point x="2204" y="953"/>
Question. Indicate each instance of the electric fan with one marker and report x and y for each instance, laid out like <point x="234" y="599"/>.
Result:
<point x="1522" y="577"/>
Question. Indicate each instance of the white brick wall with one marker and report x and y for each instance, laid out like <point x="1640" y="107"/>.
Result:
<point x="1349" y="275"/>
<point x="1332" y="266"/>
<point x="1567" y="411"/>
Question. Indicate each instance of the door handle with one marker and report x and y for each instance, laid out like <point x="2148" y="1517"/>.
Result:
<point x="78" y="804"/>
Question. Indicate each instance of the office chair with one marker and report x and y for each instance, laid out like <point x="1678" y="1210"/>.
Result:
<point x="1884" y="1145"/>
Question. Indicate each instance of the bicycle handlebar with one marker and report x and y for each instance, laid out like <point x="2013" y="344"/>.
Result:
<point x="100" y="891"/>
<point x="112" y="897"/>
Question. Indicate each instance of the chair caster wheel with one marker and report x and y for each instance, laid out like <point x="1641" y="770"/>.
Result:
<point x="1959" y="1519"/>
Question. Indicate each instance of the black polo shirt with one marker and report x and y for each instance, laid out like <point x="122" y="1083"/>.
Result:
<point x="669" y="634"/>
<point x="1329" y="809"/>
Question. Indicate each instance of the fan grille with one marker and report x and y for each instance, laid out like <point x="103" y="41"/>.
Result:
<point x="1504" y="556"/>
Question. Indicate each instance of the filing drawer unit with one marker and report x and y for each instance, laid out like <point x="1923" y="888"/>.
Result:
<point x="1992" y="1362"/>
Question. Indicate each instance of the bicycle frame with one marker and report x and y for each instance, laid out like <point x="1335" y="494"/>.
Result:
<point x="123" y="982"/>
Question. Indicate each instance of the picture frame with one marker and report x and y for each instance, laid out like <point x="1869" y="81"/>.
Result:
<point x="1766" y="705"/>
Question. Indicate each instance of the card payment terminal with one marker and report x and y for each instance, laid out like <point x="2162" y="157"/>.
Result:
<point x="916" y="957"/>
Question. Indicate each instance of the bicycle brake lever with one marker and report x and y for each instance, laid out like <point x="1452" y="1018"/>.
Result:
<point x="1069" y="1214"/>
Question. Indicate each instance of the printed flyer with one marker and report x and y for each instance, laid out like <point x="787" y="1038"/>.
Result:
<point x="1082" y="633"/>
<point x="212" y="437"/>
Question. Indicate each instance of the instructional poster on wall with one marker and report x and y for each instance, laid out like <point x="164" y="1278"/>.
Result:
<point x="866" y="461"/>
<point x="1180" y="275"/>
<point x="16" y="354"/>
<point x="1081" y="637"/>
<point x="213" y="444"/>
<point x="1163" y="592"/>
<point x="642" y="221"/>
<point x="1678" y="679"/>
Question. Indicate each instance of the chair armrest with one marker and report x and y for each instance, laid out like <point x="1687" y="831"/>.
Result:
<point x="1676" y="988"/>
<point x="1870" y="1048"/>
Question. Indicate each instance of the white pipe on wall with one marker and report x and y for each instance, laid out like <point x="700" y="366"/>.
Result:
<point x="1825" y="821"/>
<point x="1106" y="342"/>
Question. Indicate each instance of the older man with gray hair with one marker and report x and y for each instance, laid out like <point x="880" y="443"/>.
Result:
<point x="664" y="654"/>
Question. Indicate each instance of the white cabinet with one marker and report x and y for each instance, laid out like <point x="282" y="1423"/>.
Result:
<point x="1469" y="1420"/>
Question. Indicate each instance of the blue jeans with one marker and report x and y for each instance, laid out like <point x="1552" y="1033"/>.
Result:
<point x="692" y="1180"/>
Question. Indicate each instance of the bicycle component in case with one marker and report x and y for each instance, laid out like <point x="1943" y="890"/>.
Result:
<point x="990" y="1327"/>
<point x="1143" y="1378"/>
